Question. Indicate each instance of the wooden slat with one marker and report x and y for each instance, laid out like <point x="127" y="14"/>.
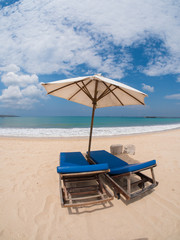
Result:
<point x="84" y="193"/>
<point x="83" y="173"/>
<point x="118" y="187"/>
<point x="79" y="179"/>
<point x="87" y="197"/>
<point x="82" y="187"/>
<point x="90" y="187"/>
<point x="133" y="195"/>
<point x="134" y="172"/>
<point x="145" y="177"/>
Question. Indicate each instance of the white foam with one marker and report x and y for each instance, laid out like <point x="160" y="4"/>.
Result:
<point x="82" y="132"/>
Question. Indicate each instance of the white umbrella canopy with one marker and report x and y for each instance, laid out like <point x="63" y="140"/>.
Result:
<point x="83" y="89"/>
<point x="96" y="92"/>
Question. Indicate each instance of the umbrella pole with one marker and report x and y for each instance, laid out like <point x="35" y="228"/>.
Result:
<point x="91" y="129"/>
<point x="92" y="118"/>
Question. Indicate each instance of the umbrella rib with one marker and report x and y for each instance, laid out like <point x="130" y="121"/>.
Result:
<point x="85" y="87"/>
<point x="113" y="93"/>
<point x="81" y="89"/>
<point x="85" y="90"/>
<point x="57" y="89"/>
<point x="117" y="87"/>
<point x="130" y="95"/>
<point x="64" y="86"/>
<point x="106" y="92"/>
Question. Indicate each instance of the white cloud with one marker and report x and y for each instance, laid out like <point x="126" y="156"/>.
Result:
<point x="173" y="96"/>
<point x="162" y="66"/>
<point x="33" y="91"/>
<point x="10" y="68"/>
<point x="22" y="90"/>
<point x="178" y="79"/>
<point x="22" y="80"/>
<point x="147" y="87"/>
<point x="47" y="36"/>
<point x="11" y="93"/>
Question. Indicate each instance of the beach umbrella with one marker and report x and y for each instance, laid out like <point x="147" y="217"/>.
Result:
<point x="96" y="92"/>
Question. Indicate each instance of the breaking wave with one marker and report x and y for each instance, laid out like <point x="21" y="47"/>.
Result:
<point x="82" y="132"/>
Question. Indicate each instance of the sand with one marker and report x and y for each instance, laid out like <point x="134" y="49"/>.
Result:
<point x="30" y="204"/>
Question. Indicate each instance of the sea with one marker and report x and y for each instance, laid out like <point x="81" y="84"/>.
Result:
<point x="78" y="126"/>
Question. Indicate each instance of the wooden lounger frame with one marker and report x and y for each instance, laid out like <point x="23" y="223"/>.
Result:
<point x="126" y="191"/>
<point x="88" y="189"/>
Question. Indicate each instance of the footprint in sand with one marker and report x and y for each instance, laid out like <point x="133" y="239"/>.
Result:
<point x="22" y="212"/>
<point x="46" y="218"/>
<point x="44" y="169"/>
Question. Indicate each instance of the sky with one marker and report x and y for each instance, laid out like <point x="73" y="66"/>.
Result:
<point x="136" y="42"/>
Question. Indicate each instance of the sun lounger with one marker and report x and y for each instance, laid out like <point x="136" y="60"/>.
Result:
<point x="121" y="170"/>
<point x="80" y="182"/>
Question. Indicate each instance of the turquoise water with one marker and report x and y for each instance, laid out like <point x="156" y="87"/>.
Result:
<point x="82" y="122"/>
<point x="79" y="126"/>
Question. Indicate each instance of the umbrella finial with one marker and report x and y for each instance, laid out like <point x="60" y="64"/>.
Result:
<point x="99" y="74"/>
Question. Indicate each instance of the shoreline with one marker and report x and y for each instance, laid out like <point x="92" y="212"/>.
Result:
<point x="87" y="137"/>
<point x="55" y="127"/>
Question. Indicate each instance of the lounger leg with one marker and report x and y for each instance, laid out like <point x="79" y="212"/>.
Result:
<point x="118" y="196"/>
<point x="129" y="184"/>
<point x="66" y="197"/>
<point x="153" y="176"/>
<point x="61" y="191"/>
<point x="101" y="188"/>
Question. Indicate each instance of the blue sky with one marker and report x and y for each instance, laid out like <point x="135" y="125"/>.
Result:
<point x="134" y="42"/>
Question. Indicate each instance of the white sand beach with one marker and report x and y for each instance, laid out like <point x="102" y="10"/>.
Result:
<point x="30" y="203"/>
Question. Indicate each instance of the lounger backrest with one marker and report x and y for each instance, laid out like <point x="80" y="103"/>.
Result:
<point x="117" y="165"/>
<point x="102" y="156"/>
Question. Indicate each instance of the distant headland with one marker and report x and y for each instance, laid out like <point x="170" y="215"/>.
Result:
<point x="8" y="115"/>
<point x="159" y="117"/>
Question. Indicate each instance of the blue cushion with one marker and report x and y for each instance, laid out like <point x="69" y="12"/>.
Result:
<point x="68" y="159"/>
<point x="74" y="162"/>
<point x="117" y="165"/>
